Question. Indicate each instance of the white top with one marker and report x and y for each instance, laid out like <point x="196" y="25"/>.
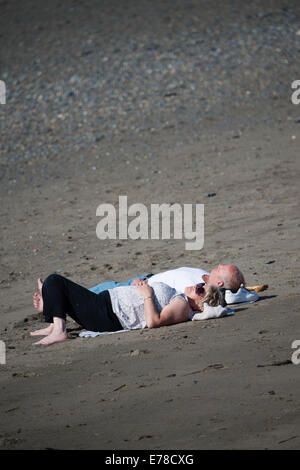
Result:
<point x="179" y="278"/>
<point x="128" y="303"/>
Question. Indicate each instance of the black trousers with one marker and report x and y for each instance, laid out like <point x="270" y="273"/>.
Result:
<point x="93" y="311"/>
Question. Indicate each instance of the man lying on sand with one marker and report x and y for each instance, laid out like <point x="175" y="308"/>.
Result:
<point x="228" y="277"/>
<point x="125" y="307"/>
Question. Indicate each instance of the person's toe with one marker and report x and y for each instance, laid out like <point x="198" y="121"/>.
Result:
<point x="40" y="284"/>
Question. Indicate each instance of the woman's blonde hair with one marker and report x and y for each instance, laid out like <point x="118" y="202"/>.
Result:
<point x="213" y="296"/>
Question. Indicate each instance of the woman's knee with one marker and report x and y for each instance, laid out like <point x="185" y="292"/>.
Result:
<point x="52" y="279"/>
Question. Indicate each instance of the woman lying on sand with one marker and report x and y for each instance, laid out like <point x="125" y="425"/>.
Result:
<point x="126" y="307"/>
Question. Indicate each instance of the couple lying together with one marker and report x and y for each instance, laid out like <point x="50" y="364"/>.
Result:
<point x="149" y="301"/>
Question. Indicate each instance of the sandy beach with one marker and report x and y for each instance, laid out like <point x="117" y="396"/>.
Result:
<point x="164" y="102"/>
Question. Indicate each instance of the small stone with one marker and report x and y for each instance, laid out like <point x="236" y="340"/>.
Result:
<point x="134" y="353"/>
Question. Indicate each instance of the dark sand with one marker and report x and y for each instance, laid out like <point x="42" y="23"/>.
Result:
<point x="162" y="104"/>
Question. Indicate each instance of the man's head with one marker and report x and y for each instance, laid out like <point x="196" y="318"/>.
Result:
<point x="227" y="276"/>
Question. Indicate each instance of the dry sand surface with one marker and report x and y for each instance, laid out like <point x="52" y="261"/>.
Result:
<point x="162" y="102"/>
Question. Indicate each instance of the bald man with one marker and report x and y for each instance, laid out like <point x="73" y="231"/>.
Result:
<point x="228" y="277"/>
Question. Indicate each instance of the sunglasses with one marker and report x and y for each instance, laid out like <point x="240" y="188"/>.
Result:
<point x="200" y="288"/>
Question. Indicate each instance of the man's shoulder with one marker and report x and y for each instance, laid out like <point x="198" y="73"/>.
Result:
<point x="192" y="270"/>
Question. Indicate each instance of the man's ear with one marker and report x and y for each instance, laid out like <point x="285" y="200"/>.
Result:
<point x="220" y="283"/>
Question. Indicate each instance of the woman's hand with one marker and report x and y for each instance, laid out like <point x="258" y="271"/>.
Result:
<point x="144" y="289"/>
<point x="137" y="281"/>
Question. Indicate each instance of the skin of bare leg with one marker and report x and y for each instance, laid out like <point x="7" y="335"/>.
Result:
<point x="57" y="335"/>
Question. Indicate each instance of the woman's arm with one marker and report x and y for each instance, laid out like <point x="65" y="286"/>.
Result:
<point x="151" y="314"/>
<point x="175" y="312"/>
<point x="137" y="281"/>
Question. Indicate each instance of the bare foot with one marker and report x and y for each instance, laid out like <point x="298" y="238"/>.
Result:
<point x="40" y="284"/>
<point x="38" y="302"/>
<point x="55" y="337"/>
<point x="44" y="332"/>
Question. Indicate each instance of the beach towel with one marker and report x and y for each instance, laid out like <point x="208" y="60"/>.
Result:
<point x="208" y="312"/>
<point x="212" y="312"/>
<point x="93" y="334"/>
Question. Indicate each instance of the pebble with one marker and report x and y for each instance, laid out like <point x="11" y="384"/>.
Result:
<point x="67" y="92"/>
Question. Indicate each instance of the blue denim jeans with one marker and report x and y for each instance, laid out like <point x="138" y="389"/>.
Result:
<point x="111" y="284"/>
